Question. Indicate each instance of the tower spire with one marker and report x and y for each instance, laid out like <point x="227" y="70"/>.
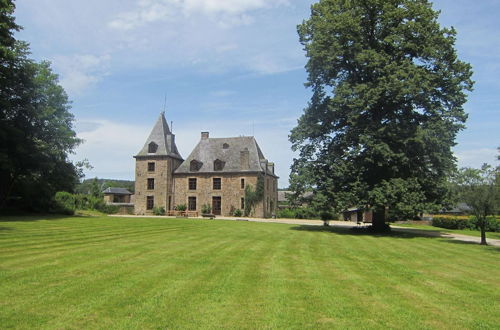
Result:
<point x="164" y="104"/>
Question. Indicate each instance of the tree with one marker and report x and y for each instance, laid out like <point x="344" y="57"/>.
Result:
<point x="480" y="190"/>
<point x="36" y="132"/>
<point x="95" y="189"/>
<point x="387" y="103"/>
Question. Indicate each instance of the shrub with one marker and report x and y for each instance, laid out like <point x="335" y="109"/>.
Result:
<point x="305" y="213"/>
<point x="492" y="224"/>
<point x="325" y="215"/>
<point x="64" y="203"/>
<point x="237" y="213"/>
<point x="285" y="213"/>
<point x="206" y="209"/>
<point x="158" y="210"/>
<point x="450" y="222"/>
<point x="461" y="222"/>
<point x="108" y="209"/>
<point x="181" y="207"/>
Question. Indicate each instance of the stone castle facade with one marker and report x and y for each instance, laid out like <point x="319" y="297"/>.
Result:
<point x="215" y="173"/>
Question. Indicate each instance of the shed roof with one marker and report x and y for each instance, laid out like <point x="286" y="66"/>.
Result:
<point x="117" y="191"/>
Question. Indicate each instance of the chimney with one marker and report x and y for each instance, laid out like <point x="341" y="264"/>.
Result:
<point x="204" y="135"/>
<point x="244" y="159"/>
<point x="270" y="167"/>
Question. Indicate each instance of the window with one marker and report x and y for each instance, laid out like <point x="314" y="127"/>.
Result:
<point x="151" y="167"/>
<point x="152" y="147"/>
<point x="242" y="203"/>
<point x="191" y="203"/>
<point x="242" y="183"/>
<point x="219" y="165"/>
<point x="225" y="146"/>
<point x="192" y="184"/>
<point x="195" y="165"/>
<point x="217" y="183"/>
<point x="150" y="202"/>
<point x="151" y="184"/>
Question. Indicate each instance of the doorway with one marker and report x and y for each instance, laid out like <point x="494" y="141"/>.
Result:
<point x="216" y="205"/>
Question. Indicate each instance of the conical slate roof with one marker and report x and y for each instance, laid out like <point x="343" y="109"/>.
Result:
<point x="164" y="140"/>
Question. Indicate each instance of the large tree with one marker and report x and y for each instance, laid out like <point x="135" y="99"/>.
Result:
<point x="388" y="94"/>
<point x="36" y="133"/>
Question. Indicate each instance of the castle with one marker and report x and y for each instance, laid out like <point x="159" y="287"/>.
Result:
<point x="215" y="173"/>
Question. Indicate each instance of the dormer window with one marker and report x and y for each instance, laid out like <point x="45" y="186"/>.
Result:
<point x="195" y="165"/>
<point x="152" y="147"/>
<point x="225" y="146"/>
<point x="219" y="165"/>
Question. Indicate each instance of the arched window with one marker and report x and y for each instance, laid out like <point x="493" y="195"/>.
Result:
<point x="219" y="165"/>
<point x="152" y="147"/>
<point x="195" y="165"/>
<point x="225" y="146"/>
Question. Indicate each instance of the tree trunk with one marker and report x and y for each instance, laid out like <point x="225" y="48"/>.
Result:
<point x="483" y="232"/>
<point x="378" y="220"/>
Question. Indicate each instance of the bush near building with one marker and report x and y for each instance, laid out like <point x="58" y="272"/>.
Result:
<point x="464" y="222"/>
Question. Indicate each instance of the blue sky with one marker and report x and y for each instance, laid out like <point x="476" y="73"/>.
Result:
<point x="230" y="67"/>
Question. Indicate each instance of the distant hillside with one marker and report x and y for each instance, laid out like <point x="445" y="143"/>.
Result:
<point x="84" y="187"/>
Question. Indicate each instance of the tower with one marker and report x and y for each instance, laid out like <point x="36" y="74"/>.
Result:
<point x="154" y="168"/>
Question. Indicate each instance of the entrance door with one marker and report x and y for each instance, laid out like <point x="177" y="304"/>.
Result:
<point x="216" y="205"/>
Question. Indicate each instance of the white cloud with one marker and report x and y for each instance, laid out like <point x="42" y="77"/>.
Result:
<point x="476" y="157"/>
<point x="226" y="13"/>
<point x="109" y="147"/>
<point x="78" y="72"/>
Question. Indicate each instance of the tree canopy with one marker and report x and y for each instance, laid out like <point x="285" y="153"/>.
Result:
<point x="480" y="190"/>
<point x="36" y="133"/>
<point x="387" y="103"/>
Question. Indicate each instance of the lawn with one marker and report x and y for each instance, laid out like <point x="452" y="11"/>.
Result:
<point x="107" y="272"/>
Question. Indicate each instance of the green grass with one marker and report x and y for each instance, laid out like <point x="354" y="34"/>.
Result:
<point x="476" y="233"/>
<point x="107" y="272"/>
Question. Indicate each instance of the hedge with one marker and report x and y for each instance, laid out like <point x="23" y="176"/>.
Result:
<point x="450" y="222"/>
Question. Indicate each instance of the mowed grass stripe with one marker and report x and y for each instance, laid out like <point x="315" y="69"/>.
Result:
<point x="51" y="237"/>
<point x="102" y="272"/>
<point x="162" y="273"/>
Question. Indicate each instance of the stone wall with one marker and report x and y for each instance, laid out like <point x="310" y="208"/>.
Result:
<point x="231" y="191"/>
<point x="163" y="182"/>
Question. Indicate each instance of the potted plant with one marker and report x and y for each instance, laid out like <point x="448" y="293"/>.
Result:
<point x="206" y="211"/>
<point x="181" y="208"/>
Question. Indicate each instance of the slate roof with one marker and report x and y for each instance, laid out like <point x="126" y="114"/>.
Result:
<point x="227" y="150"/>
<point x="163" y="137"/>
<point x="283" y="195"/>
<point x="117" y="191"/>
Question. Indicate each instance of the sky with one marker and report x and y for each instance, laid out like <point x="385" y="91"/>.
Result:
<point x="230" y="67"/>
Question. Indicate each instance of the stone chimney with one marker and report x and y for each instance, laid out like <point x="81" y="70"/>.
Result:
<point x="204" y="135"/>
<point x="270" y="167"/>
<point x="244" y="159"/>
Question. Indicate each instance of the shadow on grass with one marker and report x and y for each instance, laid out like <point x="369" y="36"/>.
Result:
<point x="405" y="233"/>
